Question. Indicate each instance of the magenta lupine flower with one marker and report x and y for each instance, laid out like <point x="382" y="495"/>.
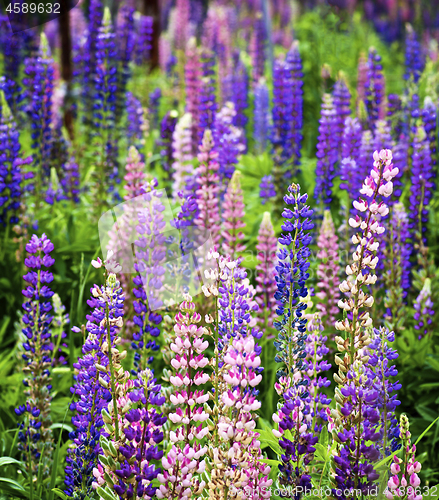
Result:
<point x="342" y="105"/>
<point x="328" y="273"/>
<point x="192" y="77"/>
<point x="233" y="218"/>
<point x="265" y="272"/>
<point x="134" y="176"/>
<point x="184" y="463"/>
<point x="208" y="192"/>
<point x="182" y="167"/>
<point x="424" y="311"/>
<point x="405" y="482"/>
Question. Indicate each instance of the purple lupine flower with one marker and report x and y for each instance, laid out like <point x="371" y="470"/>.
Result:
<point x="266" y="189"/>
<point x="240" y="93"/>
<point x="183" y="9"/>
<point x="167" y="128"/>
<point x="257" y="48"/>
<point x="11" y="175"/>
<point x="375" y="91"/>
<point x="424" y="310"/>
<point x="262" y="116"/>
<point x="394" y="113"/>
<point x="150" y="252"/>
<point x="350" y="173"/>
<point x="382" y="372"/>
<point x="192" y="78"/>
<point x="35" y="435"/>
<point x="400" y="160"/>
<point x="422" y="187"/>
<point x="70" y="179"/>
<point x="154" y="106"/>
<point x="414" y="58"/>
<point x="137" y="125"/>
<point x="104" y="107"/>
<point x="40" y="83"/>
<point x="227" y="143"/>
<point x="326" y="153"/>
<point x="342" y="103"/>
<point x="207" y="99"/>
<point x="143" y="46"/>
<point x="429" y="115"/>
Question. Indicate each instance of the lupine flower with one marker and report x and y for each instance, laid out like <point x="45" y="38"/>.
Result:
<point x="374" y="99"/>
<point x="40" y="83"/>
<point x="414" y="60"/>
<point x="397" y="270"/>
<point x="233" y="217"/>
<point x="422" y="187"/>
<point x="429" y="115"/>
<point x="183" y="8"/>
<point x="266" y="189"/>
<point x="70" y="179"/>
<point x="257" y="48"/>
<point x="104" y="114"/>
<point x="326" y="153"/>
<point x="208" y="191"/>
<point x="11" y="175"/>
<point x="378" y="183"/>
<point x="207" y="101"/>
<point x="60" y="320"/>
<point x="150" y="254"/>
<point x="167" y="128"/>
<point x="35" y="434"/>
<point x="154" y="106"/>
<point x="137" y="123"/>
<point x="382" y="136"/>
<point x="261" y="115"/>
<point x="350" y="173"/>
<point x="424" y="311"/>
<point x="192" y="77"/>
<point x="265" y="275"/>
<point x="342" y="103"/>
<point x="178" y="478"/>
<point x="182" y="168"/>
<point x="327" y="273"/>
<point x="361" y="80"/>
<point x="144" y="32"/>
<point x="291" y="275"/>
<point x="405" y="482"/>
<point x="400" y="160"/>
<point x="366" y="152"/>
<point x="394" y="113"/>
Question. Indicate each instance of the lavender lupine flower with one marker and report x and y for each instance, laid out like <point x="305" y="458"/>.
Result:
<point x="366" y="152"/>
<point x="178" y="479"/>
<point x="233" y="218"/>
<point x="424" y="311"/>
<point x="429" y="115"/>
<point x="257" y="48"/>
<point x="405" y="482"/>
<point x="327" y="273"/>
<point x="11" y="176"/>
<point x="240" y="94"/>
<point x="414" y="59"/>
<point x="70" y="180"/>
<point x="192" y="77"/>
<point x="350" y="173"/>
<point x="104" y="107"/>
<point x="266" y="189"/>
<point x="137" y="123"/>
<point x="154" y="106"/>
<point x="342" y="103"/>
<point x="182" y="168"/>
<point x="207" y="101"/>
<point x="182" y="8"/>
<point x="382" y="372"/>
<point x="326" y="153"/>
<point x="291" y="275"/>
<point x="227" y="140"/>
<point x="144" y="32"/>
<point x="378" y="183"/>
<point x="422" y="187"/>
<point x="261" y="115"/>
<point x="40" y="82"/>
<point x="150" y="254"/>
<point x="400" y="160"/>
<point x="397" y="270"/>
<point x="208" y="192"/>
<point x="167" y="128"/>
<point x="382" y="137"/>
<point x="265" y="272"/>
<point x="93" y="395"/>
<point x="375" y="91"/>
<point x="35" y="434"/>
<point x="361" y="81"/>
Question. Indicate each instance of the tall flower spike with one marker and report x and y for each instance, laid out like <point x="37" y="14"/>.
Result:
<point x="261" y="116"/>
<point x="429" y="116"/>
<point x="361" y="81"/>
<point x="208" y="191"/>
<point x="144" y="34"/>
<point x="326" y="153"/>
<point x="233" y="215"/>
<point x="257" y="48"/>
<point x="424" y="311"/>
<point x="154" y="106"/>
<point x="192" y="77"/>
<point x="207" y="99"/>
<point x="182" y="167"/>
<point x="35" y="434"/>
<point x="184" y="464"/>
<point x="265" y="272"/>
<point x="375" y="91"/>
<point x="414" y="60"/>
<point x="137" y="122"/>
<point x="377" y="184"/>
<point x="266" y="189"/>
<point x="350" y="173"/>
<point x="167" y="128"/>
<point x="327" y="273"/>
<point x="342" y="104"/>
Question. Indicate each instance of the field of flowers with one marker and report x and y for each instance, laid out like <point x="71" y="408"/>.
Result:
<point x="218" y="237"/>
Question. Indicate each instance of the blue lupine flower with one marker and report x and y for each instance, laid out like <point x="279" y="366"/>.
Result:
<point x="266" y="189"/>
<point x="261" y="116"/>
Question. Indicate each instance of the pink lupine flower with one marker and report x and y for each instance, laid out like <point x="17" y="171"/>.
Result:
<point x="233" y="217"/>
<point x="327" y="273"/>
<point x="182" y="153"/>
<point x="192" y="78"/>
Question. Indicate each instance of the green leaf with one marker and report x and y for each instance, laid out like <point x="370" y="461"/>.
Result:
<point x="266" y="437"/>
<point x="106" y="494"/>
<point x="16" y="485"/>
<point x="426" y="430"/>
<point x="62" y="427"/>
<point x="60" y="493"/>
<point x="10" y="460"/>
<point x="426" y="413"/>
